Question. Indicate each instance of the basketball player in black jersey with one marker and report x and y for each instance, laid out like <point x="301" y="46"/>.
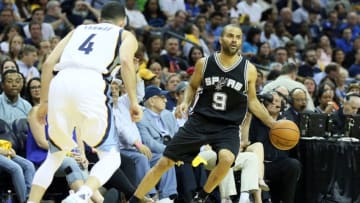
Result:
<point x="221" y="90"/>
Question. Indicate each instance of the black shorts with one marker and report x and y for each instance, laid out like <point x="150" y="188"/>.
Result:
<point x="199" y="131"/>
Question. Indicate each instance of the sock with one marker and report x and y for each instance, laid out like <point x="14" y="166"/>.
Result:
<point x="202" y="194"/>
<point x="84" y="192"/>
<point x="244" y="197"/>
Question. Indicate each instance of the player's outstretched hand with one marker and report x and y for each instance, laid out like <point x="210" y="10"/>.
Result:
<point x="42" y="112"/>
<point x="136" y="112"/>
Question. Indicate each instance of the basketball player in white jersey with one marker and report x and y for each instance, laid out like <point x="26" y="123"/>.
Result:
<point x="75" y="97"/>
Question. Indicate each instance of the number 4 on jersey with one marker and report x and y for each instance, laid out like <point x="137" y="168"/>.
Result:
<point x="86" y="46"/>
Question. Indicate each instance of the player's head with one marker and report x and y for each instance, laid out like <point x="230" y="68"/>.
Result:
<point x="114" y="12"/>
<point x="231" y="39"/>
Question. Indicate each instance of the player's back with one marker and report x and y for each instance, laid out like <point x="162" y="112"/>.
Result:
<point x="91" y="47"/>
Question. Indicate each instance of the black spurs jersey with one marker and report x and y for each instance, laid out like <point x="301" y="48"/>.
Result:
<point x="222" y="96"/>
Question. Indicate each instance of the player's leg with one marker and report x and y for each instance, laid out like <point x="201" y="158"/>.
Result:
<point x="60" y="126"/>
<point x="44" y="175"/>
<point x="226" y="159"/>
<point x="153" y="176"/>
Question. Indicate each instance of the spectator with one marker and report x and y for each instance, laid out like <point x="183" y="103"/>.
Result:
<point x="331" y="72"/>
<point x="251" y="8"/>
<point x="154" y="46"/>
<point x="351" y="107"/>
<point x="325" y="50"/>
<point x="325" y="101"/>
<point x="20" y="169"/>
<point x="35" y="34"/>
<point x="8" y="64"/>
<point x="46" y="28"/>
<point x="155" y="67"/>
<point x="44" y="51"/>
<point x="267" y="35"/>
<point x="32" y="92"/>
<point x="354" y="70"/>
<point x="297" y="100"/>
<point x="286" y="16"/>
<point x="341" y="85"/>
<point x="331" y="25"/>
<point x="214" y="29"/>
<point x="250" y="48"/>
<point x="192" y="8"/>
<point x="193" y="35"/>
<point x="263" y="57"/>
<point x="170" y="61"/>
<point x="281" y="33"/>
<point x="314" y="25"/>
<point x="345" y="41"/>
<point x="352" y="22"/>
<point x="310" y="67"/>
<point x="153" y="14"/>
<point x="12" y="105"/>
<point x="82" y="12"/>
<point x="171" y="7"/>
<point x="7" y="18"/>
<point x="293" y="55"/>
<point x="16" y="45"/>
<point x="172" y="81"/>
<point x="280" y="55"/>
<point x="302" y="38"/>
<point x="136" y="18"/>
<point x="194" y="55"/>
<point x="28" y="57"/>
<point x="338" y="56"/>
<point x="8" y="33"/>
<point x="311" y="87"/>
<point x="58" y="20"/>
<point x="287" y="79"/>
<point x="177" y="24"/>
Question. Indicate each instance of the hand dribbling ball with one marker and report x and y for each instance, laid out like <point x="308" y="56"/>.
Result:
<point x="284" y="135"/>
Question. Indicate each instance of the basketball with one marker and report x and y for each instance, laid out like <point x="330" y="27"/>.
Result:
<point x="284" y="135"/>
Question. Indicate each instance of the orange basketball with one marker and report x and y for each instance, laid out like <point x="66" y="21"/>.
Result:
<point x="284" y="134"/>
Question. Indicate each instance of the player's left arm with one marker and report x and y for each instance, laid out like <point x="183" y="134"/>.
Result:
<point x="254" y="105"/>
<point x="48" y="67"/>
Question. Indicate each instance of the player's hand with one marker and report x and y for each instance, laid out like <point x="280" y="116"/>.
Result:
<point x="143" y="149"/>
<point x="136" y="112"/>
<point x="182" y="109"/>
<point x="42" y="112"/>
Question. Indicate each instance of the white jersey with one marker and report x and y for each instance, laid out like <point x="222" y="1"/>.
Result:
<point x="91" y="47"/>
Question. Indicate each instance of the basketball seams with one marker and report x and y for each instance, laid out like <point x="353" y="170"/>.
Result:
<point x="284" y="135"/>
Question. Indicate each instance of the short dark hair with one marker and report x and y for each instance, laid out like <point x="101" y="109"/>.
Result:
<point x="288" y="68"/>
<point x="331" y="67"/>
<point x="3" y="76"/>
<point x="113" y="10"/>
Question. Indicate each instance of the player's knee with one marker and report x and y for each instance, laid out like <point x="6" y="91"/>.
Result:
<point x="226" y="157"/>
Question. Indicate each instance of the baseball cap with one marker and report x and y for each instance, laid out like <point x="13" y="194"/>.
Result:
<point x="146" y="74"/>
<point x="181" y="86"/>
<point x="152" y="90"/>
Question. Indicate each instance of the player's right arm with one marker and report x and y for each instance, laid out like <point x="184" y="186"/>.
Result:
<point x="128" y="48"/>
<point x="47" y="74"/>
<point x="195" y="82"/>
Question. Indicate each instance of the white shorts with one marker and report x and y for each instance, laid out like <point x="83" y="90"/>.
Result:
<point x="77" y="100"/>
